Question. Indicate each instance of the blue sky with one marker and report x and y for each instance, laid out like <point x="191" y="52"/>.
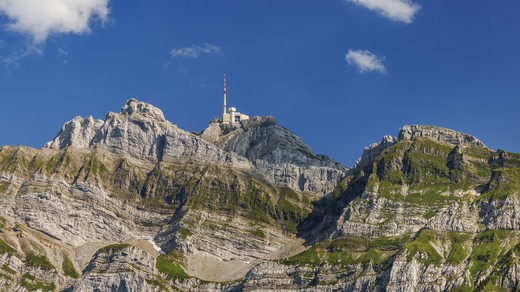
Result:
<point x="340" y="74"/>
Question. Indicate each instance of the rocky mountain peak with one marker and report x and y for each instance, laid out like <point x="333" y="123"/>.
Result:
<point x="141" y="131"/>
<point x="277" y="152"/>
<point x="372" y="151"/>
<point x="415" y="132"/>
<point x="136" y="107"/>
<point x="439" y="134"/>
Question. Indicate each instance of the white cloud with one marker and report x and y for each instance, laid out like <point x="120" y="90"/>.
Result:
<point x="42" y="18"/>
<point x="13" y="60"/>
<point x="194" y="51"/>
<point x="365" y="61"/>
<point x="62" y="52"/>
<point x="397" y="10"/>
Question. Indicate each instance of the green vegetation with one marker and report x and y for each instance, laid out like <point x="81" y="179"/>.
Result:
<point x="171" y="265"/>
<point x="373" y="255"/>
<point x="4" y="185"/>
<point x="96" y="166"/>
<point x="184" y="232"/>
<point x="389" y="243"/>
<point x="6" y="248"/>
<point x="430" y="214"/>
<point x="455" y="254"/>
<point x="113" y="248"/>
<point x="313" y="256"/>
<point x="288" y="193"/>
<point x="484" y="252"/>
<point x="488" y="247"/>
<point x="478" y="152"/>
<point x="234" y="192"/>
<point x="422" y="169"/>
<point x="349" y="250"/>
<point x="35" y="260"/>
<point x="31" y="283"/>
<point x="422" y="244"/>
<point x="68" y="268"/>
<point x="6" y="268"/>
<point x="13" y="160"/>
<point x="504" y="182"/>
<point x="258" y="233"/>
<point x="62" y="162"/>
<point x="459" y="248"/>
<point x="350" y="243"/>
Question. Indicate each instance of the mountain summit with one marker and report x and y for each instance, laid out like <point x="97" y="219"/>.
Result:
<point x="134" y="203"/>
<point x="141" y="131"/>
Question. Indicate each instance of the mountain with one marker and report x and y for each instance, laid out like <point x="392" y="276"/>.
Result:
<point x="134" y="203"/>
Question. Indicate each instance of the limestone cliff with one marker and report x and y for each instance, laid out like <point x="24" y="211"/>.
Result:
<point x="277" y="153"/>
<point x="133" y="203"/>
<point x="141" y="131"/>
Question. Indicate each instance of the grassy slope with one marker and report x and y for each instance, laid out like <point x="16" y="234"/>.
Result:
<point x="430" y="174"/>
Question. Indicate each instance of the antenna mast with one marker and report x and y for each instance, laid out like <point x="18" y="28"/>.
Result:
<point x="225" y="93"/>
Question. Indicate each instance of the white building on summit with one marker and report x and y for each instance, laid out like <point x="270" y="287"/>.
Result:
<point x="231" y="115"/>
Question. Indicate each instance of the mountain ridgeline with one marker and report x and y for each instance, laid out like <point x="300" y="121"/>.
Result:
<point x="134" y="203"/>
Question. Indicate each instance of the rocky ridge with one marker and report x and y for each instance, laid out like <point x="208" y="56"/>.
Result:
<point x="281" y="156"/>
<point x="141" y="131"/>
<point x="432" y="209"/>
<point x="136" y="178"/>
<point x="133" y="202"/>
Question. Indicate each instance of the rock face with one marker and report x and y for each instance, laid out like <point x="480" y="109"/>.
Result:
<point x="141" y="131"/>
<point x="277" y="153"/>
<point x="423" y="163"/>
<point x="371" y="152"/>
<point x="119" y="267"/>
<point x="133" y="203"/>
<point x="76" y="133"/>
<point x="438" y="134"/>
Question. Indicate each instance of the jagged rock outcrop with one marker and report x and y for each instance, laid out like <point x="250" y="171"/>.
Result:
<point x="134" y="203"/>
<point x="438" y="134"/>
<point x="120" y="268"/>
<point x="372" y="151"/>
<point x="94" y="186"/>
<point x="415" y="178"/>
<point x="76" y="133"/>
<point x="278" y="154"/>
<point x="141" y="131"/>
<point x="414" y="132"/>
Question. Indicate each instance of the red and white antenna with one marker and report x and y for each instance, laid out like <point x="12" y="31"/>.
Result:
<point x="225" y="93"/>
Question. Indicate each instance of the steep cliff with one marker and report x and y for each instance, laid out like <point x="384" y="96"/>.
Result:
<point x="277" y="153"/>
<point x="137" y="179"/>
<point x="430" y="210"/>
<point x="141" y="131"/>
<point x="134" y="203"/>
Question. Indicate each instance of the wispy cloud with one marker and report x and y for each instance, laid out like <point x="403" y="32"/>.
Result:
<point x="63" y="54"/>
<point x="41" y="18"/>
<point x="12" y="61"/>
<point x="397" y="10"/>
<point x="194" y="51"/>
<point x="365" y="61"/>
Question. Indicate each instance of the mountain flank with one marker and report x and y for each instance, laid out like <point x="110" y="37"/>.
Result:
<point x="134" y="203"/>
